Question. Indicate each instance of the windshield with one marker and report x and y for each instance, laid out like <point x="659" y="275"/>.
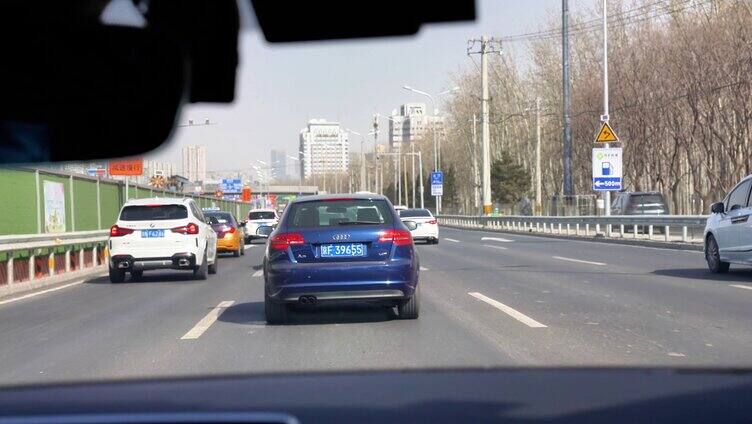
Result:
<point x="640" y="199"/>
<point x="220" y="218"/>
<point x="261" y="215"/>
<point x="540" y="224"/>
<point x="153" y="213"/>
<point x="330" y="213"/>
<point x="410" y="213"/>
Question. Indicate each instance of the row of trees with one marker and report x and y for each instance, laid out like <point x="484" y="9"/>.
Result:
<point x="680" y="79"/>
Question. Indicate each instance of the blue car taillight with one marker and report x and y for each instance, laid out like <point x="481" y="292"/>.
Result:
<point x="282" y="241"/>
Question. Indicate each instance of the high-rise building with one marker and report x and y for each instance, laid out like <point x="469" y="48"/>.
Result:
<point x="324" y="148"/>
<point x="194" y="163"/>
<point x="154" y="168"/>
<point x="410" y="123"/>
<point x="278" y="164"/>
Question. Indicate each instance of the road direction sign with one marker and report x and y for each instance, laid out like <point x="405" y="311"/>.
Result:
<point x="607" y="174"/>
<point x="437" y="183"/>
<point x="606" y="134"/>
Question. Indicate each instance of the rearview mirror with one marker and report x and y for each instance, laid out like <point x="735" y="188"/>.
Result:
<point x="83" y="92"/>
<point x="717" y="207"/>
<point x="411" y="225"/>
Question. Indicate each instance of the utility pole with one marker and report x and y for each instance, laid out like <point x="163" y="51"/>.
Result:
<point x="538" y="189"/>
<point x="487" y="45"/>
<point x="476" y="176"/>
<point x="567" y="100"/>
<point x="605" y="117"/>
<point x="362" y="166"/>
<point x="412" y="171"/>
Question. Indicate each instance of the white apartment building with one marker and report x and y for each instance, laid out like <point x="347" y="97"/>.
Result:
<point x="410" y="123"/>
<point x="194" y="163"/>
<point x="153" y="168"/>
<point x="324" y="148"/>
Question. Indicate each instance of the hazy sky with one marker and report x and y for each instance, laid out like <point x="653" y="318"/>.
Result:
<point x="281" y="86"/>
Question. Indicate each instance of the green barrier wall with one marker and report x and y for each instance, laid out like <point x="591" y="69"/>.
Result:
<point x="22" y="211"/>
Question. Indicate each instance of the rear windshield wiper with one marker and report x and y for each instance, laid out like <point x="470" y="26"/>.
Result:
<point x="359" y="223"/>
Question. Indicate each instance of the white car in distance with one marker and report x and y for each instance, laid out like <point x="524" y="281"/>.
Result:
<point x="427" y="226"/>
<point x="161" y="233"/>
<point x="259" y="223"/>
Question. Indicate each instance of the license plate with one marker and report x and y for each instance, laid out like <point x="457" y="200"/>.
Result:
<point x="350" y="250"/>
<point x="152" y="233"/>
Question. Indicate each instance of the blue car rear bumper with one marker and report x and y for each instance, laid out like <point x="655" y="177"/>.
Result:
<point x="387" y="280"/>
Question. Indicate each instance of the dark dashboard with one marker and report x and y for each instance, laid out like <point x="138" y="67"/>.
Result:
<point x="474" y="395"/>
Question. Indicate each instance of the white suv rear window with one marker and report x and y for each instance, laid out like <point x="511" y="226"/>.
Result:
<point x="153" y="213"/>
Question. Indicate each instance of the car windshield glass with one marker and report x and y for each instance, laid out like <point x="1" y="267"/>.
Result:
<point x="153" y="213"/>
<point x="261" y="215"/>
<point x="306" y="191"/>
<point x="641" y="199"/>
<point x="410" y="213"/>
<point x="329" y="213"/>
<point x="219" y="218"/>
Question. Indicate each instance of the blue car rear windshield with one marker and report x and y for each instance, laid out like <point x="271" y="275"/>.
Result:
<point x="332" y="213"/>
<point x="153" y="213"/>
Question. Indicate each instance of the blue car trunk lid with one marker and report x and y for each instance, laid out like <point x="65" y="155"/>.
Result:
<point x="368" y="235"/>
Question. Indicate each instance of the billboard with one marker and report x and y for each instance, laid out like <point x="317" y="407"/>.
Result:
<point x="126" y="167"/>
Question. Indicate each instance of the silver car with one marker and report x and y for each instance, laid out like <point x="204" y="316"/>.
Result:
<point x="728" y="231"/>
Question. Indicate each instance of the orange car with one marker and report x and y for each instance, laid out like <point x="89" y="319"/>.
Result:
<point x="229" y="232"/>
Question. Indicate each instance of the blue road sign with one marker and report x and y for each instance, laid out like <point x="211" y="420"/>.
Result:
<point x="437" y="183"/>
<point x="231" y="185"/>
<point x="606" y="183"/>
<point x="437" y="178"/>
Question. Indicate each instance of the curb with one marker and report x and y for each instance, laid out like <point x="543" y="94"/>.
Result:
<point x="597" y="239"/>
<point x="25" y="287"/>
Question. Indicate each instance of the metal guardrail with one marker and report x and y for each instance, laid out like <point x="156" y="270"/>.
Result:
<point x="32" y="257"/>
<point x="691" y="226"/>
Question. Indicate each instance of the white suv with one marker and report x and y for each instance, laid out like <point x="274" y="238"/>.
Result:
<point x="259" y="223"/>
<point x="427" y="227"/>
<point x="728" y="231"/>
<point x="161" y="234"/>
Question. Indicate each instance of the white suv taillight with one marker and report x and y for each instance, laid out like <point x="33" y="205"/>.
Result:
<point x="116" y="231"/>
<point x="186" y="229"/>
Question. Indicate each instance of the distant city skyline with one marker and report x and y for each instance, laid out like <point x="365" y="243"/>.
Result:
<point x="279" y="86"/>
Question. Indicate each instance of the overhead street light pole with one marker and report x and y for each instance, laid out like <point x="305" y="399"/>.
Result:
<point x="436" y="161"/>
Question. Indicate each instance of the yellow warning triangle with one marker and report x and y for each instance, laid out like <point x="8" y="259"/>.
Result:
<point x="606" y="134"/>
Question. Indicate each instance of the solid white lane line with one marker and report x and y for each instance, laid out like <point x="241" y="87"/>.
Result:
<point x="519" y="316"/>
<point x="492" y="246"/>
<point x="451" y="239"/>
<point x="579" y="261"/>
<point x="258" y="273"/>
<point x="503" y="240"/>
<point x="741" y="286"/>
<point x="422" y="268"/>
<point x="64" y="286"/>
<point x="207" y="321"/>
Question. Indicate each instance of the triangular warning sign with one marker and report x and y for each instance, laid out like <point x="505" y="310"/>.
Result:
<point x="606" y="134"/>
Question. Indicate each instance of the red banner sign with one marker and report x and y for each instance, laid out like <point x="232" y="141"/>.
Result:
<point x="126" y="167"/>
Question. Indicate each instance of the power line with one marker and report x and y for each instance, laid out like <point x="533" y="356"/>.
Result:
<point x="615" y="19"/>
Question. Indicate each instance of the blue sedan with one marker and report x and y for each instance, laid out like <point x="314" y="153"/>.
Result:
<point x="340" y="248"/>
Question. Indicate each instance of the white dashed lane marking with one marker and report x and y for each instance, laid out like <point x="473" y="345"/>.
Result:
<point x="207" y="321"/>
<point x="741" y="286"/>
<point x="423" y="268"/>
<point x="579" y="261"/>
<point x="258" y="273"/>
<point x="503" y="240"/>
<point x="495" y="247"/>
<point x="248" y="246"/>
<point x="519" y="316"/>
<point x="451" y="239"/>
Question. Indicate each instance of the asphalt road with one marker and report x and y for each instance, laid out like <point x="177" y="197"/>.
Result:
<point x="488" y="299"/>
